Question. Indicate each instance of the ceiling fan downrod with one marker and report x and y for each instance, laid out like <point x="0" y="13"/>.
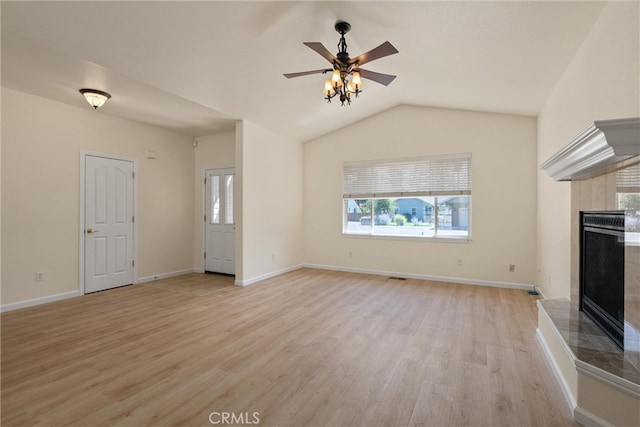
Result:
<point x="342" y="28"/>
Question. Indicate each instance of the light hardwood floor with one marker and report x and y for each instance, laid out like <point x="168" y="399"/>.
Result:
<point x="308" y="348"/>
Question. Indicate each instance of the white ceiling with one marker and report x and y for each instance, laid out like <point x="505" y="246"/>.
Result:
<point x="196" y="67"/>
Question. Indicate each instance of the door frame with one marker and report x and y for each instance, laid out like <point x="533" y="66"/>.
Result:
<point x="203" y="248"/>
<point x="82" y="226"/>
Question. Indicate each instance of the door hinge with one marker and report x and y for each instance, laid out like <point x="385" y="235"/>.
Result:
<point x="205" y="181"/>
<point x="133" y="219"/>
<point x="133" y="263"/>
<point x="205" y="218"/>
<point x="205" y="255"/>
<point x="133" y="175"/>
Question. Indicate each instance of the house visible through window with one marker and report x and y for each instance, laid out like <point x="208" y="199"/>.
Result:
<point x="422" y="197"/>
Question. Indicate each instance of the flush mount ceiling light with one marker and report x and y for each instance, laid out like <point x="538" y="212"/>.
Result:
<point x="95" y="98"/>
<point x="345" y="81"/>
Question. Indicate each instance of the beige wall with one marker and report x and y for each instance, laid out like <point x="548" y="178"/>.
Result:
<point x="41" y="144"/>
<point x="212" y="151"/>
<point x="503" y="205"/>
<point x="600" y="83"/>
<point x="269" y="166"/>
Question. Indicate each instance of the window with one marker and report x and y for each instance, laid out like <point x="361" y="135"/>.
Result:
<point x="425" y="197"/>
<point x="628" y="200"/>
<point x="228" y="207"/>
<point x="215" y="200"/>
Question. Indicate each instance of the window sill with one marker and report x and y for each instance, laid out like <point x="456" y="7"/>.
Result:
<point x="466" y="239"/>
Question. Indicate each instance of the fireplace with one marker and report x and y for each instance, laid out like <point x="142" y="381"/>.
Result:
<point x="602" y="271"/>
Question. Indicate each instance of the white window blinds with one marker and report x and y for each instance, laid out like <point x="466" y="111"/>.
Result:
<point x="426" y="176"/>
<point x="628" y="180"/>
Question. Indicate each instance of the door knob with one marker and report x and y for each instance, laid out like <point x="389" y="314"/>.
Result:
<point x="91" y="230"/>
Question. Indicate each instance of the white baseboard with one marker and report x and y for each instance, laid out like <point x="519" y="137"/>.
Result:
<point x="167" y="275"/>
<point x="38" y="301"/>
<point x="65" y="295"/>
<point x="459" y="280"/>
<point x="256" y="279"/>
<point x="587" y="419"/>
<point x="555" y="369"/>
<point x="539" y="291"/>
<point x="267" y="275"/>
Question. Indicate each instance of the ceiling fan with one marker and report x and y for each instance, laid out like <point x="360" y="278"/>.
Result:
<point x="344" y="67"/>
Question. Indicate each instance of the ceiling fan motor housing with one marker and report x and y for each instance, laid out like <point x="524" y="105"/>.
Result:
<point x="343" y="57"/>
<point x="342" y="27"/>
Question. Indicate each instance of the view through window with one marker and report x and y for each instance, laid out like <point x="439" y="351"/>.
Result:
<point x="424" y="197"/>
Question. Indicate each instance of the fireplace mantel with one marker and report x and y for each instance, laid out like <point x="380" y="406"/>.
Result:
<point x="602" y="144"/>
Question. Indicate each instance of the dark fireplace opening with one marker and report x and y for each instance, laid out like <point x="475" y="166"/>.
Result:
<point x="602" y="271"/>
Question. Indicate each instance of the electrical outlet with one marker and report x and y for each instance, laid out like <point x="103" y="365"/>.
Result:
<point x="512" y="268"/>
<point x="273" y="257"/>
<point x="350" y="254"/>
<point x="459" y="261"/>
<point x="39" y="276"/>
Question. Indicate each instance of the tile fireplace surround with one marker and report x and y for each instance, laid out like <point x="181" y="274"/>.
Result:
<point x="600" y="193"/>
<point x="601" y="383"/>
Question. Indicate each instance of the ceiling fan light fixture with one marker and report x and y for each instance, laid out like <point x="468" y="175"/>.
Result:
<point x="356" y="79"/>
<point x="336" y="78"/>
<point x="346" y="77"/>
<point x="328" y="87"/>
<point x="95" y="98"/>
<point x="351" y="87"/>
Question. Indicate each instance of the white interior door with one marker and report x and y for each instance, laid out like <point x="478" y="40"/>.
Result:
<point x="108" y="221"/>
<point x="220" y="226"/>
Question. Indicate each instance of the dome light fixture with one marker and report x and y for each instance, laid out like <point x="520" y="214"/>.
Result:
<point x="95" y="98"/>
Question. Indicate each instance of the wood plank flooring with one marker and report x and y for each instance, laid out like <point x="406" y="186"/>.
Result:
<point x="194" y="283"/>
<point x="308" y="348"/>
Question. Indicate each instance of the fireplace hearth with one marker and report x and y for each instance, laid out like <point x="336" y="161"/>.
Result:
<point x="602" y="264"/>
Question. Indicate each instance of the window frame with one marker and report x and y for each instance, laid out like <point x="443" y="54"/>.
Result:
<point x="463" y="191"/>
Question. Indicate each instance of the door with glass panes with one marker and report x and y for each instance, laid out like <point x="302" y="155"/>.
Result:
<point x="220" y="227"/>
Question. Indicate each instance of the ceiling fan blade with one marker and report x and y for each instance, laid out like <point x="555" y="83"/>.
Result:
<point x="383" y="79"/>
<point x="319" y="48"/>
<point x="306" y="73"/>
<point x="385" y="49"/>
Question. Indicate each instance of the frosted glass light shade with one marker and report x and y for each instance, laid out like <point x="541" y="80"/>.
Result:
<point x="336" y="78"/>
<point x="328" y="87"/>
<point x="95" y="98"/>
<point x="357" y="80"/>
<point x="350" y="87"/>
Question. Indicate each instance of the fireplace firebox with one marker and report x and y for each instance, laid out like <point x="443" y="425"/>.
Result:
<point x="602" y="271"/>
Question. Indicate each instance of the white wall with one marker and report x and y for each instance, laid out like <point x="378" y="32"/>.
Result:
<point x="41" y="144"/>
<point x="602" y="82"/>
<point x="503" y="206"/>
<point x="217" y="150"/>
<point x="269" y="170"/>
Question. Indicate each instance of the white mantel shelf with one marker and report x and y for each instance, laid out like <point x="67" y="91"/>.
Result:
<point x="602" y="144"/>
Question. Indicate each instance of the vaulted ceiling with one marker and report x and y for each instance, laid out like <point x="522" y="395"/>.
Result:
<point x="196" y="67"/>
